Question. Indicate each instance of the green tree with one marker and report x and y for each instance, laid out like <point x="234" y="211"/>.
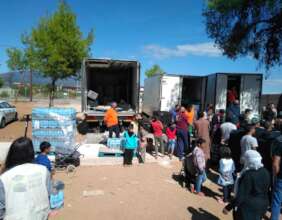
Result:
<point x="16" y="59"/>
<point x="1" y="82"/>
<point x="16" y="62"/>
<point x="23" y="60"/>
<point x="247" y="27"/>
<point x="155" y="69"/>
<point x="30" y="60"/>
<point x="60" y="46"/>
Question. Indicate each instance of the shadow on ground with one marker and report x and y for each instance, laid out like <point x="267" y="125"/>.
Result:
<point x="179" y="178"/>
<point x="210" y="193"/>
<point x="201" y="214"/>
<point x="212" y="175"/>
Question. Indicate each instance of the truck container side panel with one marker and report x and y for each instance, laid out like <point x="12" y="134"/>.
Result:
<point x="221" y="91"/>
<point x="135" y="84"/>
<point x="210" y="92"/>
<point x="170" y="92"/>
<point x="151" y="98"/>
<point x="204" y="86"/>
<point x="83" y="89"/>
<point x="250" y="92"/>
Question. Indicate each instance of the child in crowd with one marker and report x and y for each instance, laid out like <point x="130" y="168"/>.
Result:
<point x="226" y="170"/>
<point x="130" y="144"/>
<point x="157" y="127"/>
<point x="200" y="165"/>
<point x="42" y="158"/>
<point x="171" y="135"/>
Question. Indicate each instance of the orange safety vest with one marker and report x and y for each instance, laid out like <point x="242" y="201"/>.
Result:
<point x="111" y="117"/>
<point x="190" y="116"/>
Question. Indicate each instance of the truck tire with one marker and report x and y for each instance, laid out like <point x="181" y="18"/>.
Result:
<point x="3" y="123"/>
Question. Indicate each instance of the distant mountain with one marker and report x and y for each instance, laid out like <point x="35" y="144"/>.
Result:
<point x="11" y="78"/>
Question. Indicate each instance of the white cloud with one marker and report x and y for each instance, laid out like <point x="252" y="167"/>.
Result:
<point x="201" y="49"/>
<point x="273" y="82"/>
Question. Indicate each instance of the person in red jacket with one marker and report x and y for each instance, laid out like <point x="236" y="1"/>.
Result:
<point x="171" y="136"/>
<point x="232" y="95"/>
<point x="158" y="135"/>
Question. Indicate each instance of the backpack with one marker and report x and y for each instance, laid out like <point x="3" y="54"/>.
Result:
<point x="189" y="164"/>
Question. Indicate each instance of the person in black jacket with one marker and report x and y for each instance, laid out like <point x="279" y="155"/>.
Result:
<point x="251" y="190"/>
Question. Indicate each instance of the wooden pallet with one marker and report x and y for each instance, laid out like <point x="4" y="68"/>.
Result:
<point x="110" y="152"/>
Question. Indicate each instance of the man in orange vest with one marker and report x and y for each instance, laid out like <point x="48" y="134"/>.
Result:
<point x="111" y="120"/>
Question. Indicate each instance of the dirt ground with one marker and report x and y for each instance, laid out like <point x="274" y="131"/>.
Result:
<point x="140" y="192"/>
<point x="114" y="192"/>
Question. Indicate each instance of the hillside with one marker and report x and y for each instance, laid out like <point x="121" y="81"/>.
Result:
<point x="11" y="78"/>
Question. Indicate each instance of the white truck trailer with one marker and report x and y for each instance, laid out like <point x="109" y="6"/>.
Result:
<point x="110" y="80"/>
<point x="248" y="87"/>
<point x="163" y="92"/>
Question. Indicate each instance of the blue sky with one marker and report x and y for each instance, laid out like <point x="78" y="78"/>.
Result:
<point x="169" y="33"/>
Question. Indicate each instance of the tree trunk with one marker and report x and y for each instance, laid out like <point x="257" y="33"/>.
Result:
<point x="30" y="85"/>
<point x="52" y="93"/>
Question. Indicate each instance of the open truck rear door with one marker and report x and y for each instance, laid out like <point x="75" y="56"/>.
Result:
<point x="251" y="92"/>
<point x="170" y="92"/>
<point x="221" y="91"/>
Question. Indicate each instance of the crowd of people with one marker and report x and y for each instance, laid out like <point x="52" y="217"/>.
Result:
<point x="246" y="148"/>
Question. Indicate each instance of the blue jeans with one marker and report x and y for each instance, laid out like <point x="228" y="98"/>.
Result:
<point x="276" y="199"/>
<point x="171" y="145"/>
<point x="200" y="179"/>
<point x="182" y="142"/>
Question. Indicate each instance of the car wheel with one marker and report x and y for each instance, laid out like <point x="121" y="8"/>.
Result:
<point x="3" y="123"/>
<point x="16" y="117"/>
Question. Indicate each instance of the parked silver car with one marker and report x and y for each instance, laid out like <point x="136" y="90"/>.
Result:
<point x="8" y="113"/>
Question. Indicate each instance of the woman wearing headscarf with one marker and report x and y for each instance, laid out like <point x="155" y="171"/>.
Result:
<point x="251" y="190"/>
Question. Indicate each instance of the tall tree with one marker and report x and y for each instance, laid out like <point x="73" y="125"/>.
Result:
<point x="16" y="62"/>
<point x="155" y="69"/>
<point x="60" y="46"/>
<point x="23" y="60"/>
<point x="247" y="27"/>
<point x="29" y="59"/>
<point x="16" y="59"/>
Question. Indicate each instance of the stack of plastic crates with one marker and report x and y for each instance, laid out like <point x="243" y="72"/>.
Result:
<point x="115" y="143"/>
<point x="55" y="125"/>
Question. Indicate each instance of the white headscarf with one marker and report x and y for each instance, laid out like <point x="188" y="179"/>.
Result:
<point x="252" y="161"/>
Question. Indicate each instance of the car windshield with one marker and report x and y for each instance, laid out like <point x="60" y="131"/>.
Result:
<point x="5" y="105"/>
<point x="2" y="105"/>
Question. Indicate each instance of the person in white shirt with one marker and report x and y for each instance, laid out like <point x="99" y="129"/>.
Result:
<point x="226" y="129"/>
<point x="248" y="142"/>
<point x="226" y="171"/>
<point x="24" y="187"/>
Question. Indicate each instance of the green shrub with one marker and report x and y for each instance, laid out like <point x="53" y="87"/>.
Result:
<point x="4" y="94"/>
